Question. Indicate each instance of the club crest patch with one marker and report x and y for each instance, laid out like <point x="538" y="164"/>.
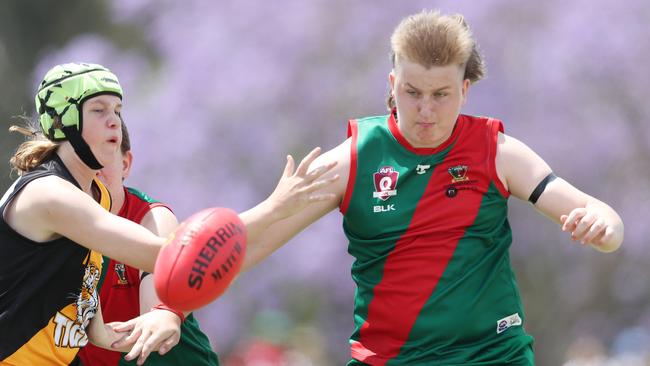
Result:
<point x="385" y="180"/>
<point x="458" y="173"/>
<point x="460" y="181"/>
<point x="120" y="271"/>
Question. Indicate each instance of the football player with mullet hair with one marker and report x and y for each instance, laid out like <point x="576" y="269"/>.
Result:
<point x="423" y="193"/>
<point x="55" y="222"/>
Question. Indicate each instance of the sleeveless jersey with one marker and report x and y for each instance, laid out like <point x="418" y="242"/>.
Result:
<point x="429" y="233"/>
<point x="120" y="298"/>
<point x="47" y="290"/>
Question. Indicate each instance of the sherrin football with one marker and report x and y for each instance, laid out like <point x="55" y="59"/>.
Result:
<point x="201" y="258"/>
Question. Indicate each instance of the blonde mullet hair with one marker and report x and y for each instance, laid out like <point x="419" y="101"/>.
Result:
<point x="33" y="152"/>
<point x="432" y="39"/>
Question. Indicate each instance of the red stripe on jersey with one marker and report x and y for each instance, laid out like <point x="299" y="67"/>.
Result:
<point x="135" y="209"/>
<point x="494" y="127"/>
<point x="353" y="130"/>
<point x="120" y="292"/>
<point x="414" y="268"/>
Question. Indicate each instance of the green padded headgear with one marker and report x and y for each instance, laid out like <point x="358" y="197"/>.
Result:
<point x="63" y="91"/>
<point x="59" y="101"/>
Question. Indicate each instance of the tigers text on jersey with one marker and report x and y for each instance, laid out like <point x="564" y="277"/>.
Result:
<point x="429" y="232"/>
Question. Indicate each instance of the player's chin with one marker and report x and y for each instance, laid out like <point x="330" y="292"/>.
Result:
<point x="427" y="140"/>
<point x="106" y="154"/>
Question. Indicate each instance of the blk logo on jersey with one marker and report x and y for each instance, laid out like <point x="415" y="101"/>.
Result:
<point x="458" y="173"/>
<point x="385" y="182"/>
<point x="421" y="169"/>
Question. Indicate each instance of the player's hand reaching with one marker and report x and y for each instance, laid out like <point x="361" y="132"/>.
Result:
<point x="157" y="330"/>
<point x="298" y="187"/>
<point x="590" y="227"/>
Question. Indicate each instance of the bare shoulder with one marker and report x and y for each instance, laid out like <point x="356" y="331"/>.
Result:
<point x="503" y="155"/>
<point x="508" y="146"/>
<point x="160" y="221"/>
<point x="518" y="166"/>
<point x="341" y="156"/>
<point x="30" y="211"/>
<point x="49" y="189"/>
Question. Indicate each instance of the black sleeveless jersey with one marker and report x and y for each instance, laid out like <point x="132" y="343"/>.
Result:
<point x="47" y="290"/>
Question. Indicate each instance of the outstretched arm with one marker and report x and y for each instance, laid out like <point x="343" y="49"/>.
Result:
<point x="301" y="198"/>
<point x="586" y="218"/>
<point x="50" y="206"/>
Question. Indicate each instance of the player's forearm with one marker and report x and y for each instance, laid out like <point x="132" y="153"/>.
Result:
<point x="257" y="220"/>
<point x="141" y="251"/>
<point x="101" y="335"/>
<point x="148" y="297"/>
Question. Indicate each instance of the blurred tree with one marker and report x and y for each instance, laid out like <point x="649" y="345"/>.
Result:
<point x="28" y="31"/>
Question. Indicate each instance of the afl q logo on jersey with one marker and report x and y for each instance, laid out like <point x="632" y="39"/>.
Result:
<point x="385" y="180"/>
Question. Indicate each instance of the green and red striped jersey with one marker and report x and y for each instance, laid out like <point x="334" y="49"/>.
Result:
<point x="120" y="299"/>
<point x="429" y="233"/>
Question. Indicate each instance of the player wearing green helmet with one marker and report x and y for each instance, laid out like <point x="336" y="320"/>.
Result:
<point x="55" y="223"/>
<point x="60" y="98"/>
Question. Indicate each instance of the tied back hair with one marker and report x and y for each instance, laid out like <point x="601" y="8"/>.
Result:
<point x="32" y="152"/>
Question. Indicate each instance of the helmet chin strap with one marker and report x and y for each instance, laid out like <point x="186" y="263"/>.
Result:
<point x="81" y="147"/>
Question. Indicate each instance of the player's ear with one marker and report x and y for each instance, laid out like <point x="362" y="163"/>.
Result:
<point x="127" y="160"/>
<point x="464" y="90"/>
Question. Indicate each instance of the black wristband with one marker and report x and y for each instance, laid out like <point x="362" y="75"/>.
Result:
<point x="540" y="188"/>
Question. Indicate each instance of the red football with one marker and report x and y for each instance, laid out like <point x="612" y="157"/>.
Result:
<point x="200" y="259"/>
